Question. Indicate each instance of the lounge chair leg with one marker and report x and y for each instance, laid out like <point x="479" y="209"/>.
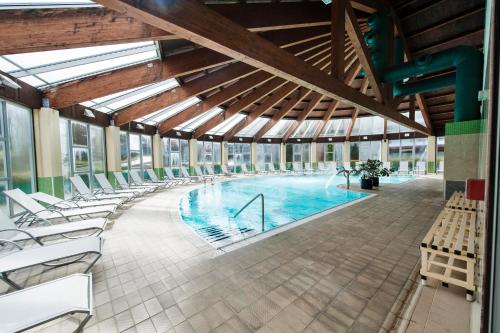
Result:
<point x="83" y="323"/>
<point x="92" y="263"/>
<point x="5" y="278"/>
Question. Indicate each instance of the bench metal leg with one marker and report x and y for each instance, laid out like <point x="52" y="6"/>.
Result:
<point x="83" y="323"/>
<point x="11" y="283"/>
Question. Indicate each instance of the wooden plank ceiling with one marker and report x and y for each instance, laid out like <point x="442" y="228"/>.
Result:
<point x="302" y="29"/>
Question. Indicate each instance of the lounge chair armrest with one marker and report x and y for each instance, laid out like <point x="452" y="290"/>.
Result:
<point x="21" y="231"/>
<point x="6" y="241"/>
<point x="54" y="211"/>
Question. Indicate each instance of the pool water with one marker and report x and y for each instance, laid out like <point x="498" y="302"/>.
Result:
<point x="209" y="209"/>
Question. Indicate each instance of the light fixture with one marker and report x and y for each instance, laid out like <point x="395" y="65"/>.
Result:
<point x="8" y="82"/>
<point x="240" y="139"/>
<point x="178" y="133"/>
<point x="298" y="140"/>
<point x="365" y="138"/>
<point x="88" y="113"/>
<point x="210" y="137"/>
<point x="407" y="134"/>
<point x="268" y="140"/>
<point x="330" y="139"/>
<point x="327" y="2"/>
<point x="139" y="126"/>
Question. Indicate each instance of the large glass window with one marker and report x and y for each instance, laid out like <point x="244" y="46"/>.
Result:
<point x="17" y="165"/>
<point x="175" y="152"/>
<point x="82" y="152"/>
<point x="298" y="152"/>
<point x="136" y="151"/>
<point x="366" y="150"/>
<point x="209" y="152"/>
<point x="328" y="152"/>
<point x="411" y="150"/>
<point x="439" y="150"/>
<point x="268" y="153"/>
<point x="238" y="154"/>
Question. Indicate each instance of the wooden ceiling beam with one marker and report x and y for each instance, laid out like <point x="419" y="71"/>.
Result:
<point x="192" y="20"/>
<point x="289" y="105"/>
<point x="114" y="81"/>
<point x="315" y="99"/>
<point x="338" y="38"/>
<point x="356" y="37"/>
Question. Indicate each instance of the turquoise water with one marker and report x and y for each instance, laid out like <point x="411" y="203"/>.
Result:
<point x="287" y="198"/>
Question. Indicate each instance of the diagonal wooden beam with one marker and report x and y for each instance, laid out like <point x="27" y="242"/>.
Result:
<point x="349" y="78"/>
<point x="315" y="58"/>
<point x="363" y="89"/>
<point x="289" y="105"/>
<point x="114" y="81"/>
<point x="192" y="20"/>
<point x="338" y="38"/>
<point x="259" y="92"/>
<point x="356" y="36"/>
<point x="315" y="99"/>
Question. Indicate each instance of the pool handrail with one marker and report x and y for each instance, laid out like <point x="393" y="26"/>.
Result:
<point x="248" y="204"/>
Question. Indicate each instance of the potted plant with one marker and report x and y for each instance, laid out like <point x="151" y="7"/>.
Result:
<point x="377" y="171"/>
<point x="365" y="171"/>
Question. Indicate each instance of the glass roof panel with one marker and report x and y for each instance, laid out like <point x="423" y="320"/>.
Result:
<point x="53" y="67"/>
<point x="192" y="124"/>
<point x="227" y="124"/>
<point x="125" y="98"/>
<point x="279" y="129"/>
<point x="13" y="4"/>
<point x="307" y="129"/>
<point x="336" y="127"/>
<point x="253" y="128"/>
<point x="169" y="111"/>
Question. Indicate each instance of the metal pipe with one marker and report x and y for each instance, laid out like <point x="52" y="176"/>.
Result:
<point x="426" y="85"/>
<point x="248" y="204"/>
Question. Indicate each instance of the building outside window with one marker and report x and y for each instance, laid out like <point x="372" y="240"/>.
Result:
<point x="298" y="152"/>
<point x="365" y="150"/>
<point x="136" y="152"/>
<point x="82" y="152"/>
<point x="329" y="152"/>
<point x="17" y="157"/>
<point x="268" y="153"/>
<point x="175" y="153"/>
<point x="238" y="154"/>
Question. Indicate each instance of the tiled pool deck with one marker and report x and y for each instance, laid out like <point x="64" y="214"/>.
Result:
<point x="341" y="272"/>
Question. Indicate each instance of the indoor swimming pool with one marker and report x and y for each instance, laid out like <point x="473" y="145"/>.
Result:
<point x="209" y="209"/>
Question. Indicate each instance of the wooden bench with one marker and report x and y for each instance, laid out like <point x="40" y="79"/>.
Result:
<point x="458" y="201"/>
<point x="449" y="250"/>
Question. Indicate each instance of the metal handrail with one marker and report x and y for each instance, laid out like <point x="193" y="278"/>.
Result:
<point x="248" y="204"/>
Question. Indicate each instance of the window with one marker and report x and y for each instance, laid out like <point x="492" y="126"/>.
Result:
<point x="226" y="125"/>
<point x="366" y="150"/>
<point x="439" y="150"/>
<point x="136" y="151"/>
<point x="253" y="128"/>
<point x="280" y="129"/>
<point x="17" y="162"/>
<point x="209" y="152"/>
<point x="298" y="152"/>
<point x="82" y="152"/>
<point x="307" y="129"/>
<point x="268" y="153"/>
<point x="336" y="127"/>
<point x="328" y="152"/>
<point x="411" y="150"/>
<point x="238" y="154"/>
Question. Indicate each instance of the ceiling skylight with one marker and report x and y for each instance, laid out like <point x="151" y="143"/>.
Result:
<point x="253" y="128"/>
<point x="336" y="127"/>
<point x="227" y="124"/>
<point x="279" y="129"/>
<point x="49" y="68"/>
<point x="159" y="116"/>
<point x="307" y="129"/>
<point x="21" y="4"/>
<point x="194" y="123"/>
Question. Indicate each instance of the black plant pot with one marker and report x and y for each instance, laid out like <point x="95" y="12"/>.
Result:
<point x="366" y="184"/>
<point x="375" y="181"/>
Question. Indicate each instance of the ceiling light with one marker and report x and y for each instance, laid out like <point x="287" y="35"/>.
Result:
<point x="178" y="133"/>
<point x="210" y="137"/>
<point x="330" y="139"/>
<point x="268" y="140"/>
<point x="88" y="113"/>
<point x="240" y="139"/>
<point x="139" y="126"/>
<point x="327" y="2"/>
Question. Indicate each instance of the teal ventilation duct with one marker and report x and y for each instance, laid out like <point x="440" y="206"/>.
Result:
<point x="467" y="61"/>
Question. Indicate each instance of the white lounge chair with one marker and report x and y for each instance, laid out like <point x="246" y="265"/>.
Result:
<point x="259" y="171"/>
<point x="36" y="212"/>
<point x="322" y="167"/>
<point x="108" y="188"/>
<point x="245" y="170"/>
<point x="199" y="173"/>
<point x="10" y="231"/>
<point x="170" y="175"/>
<point x="225" y="171"/>
<point x="186" y="174"/>
<point x="56" y="254"/>
<point x="67" y="204"/>
<point x="347" y="165"/>
<point x="332" y="166"/>
<point x="308" y="168"/>
<point x="86" y="194"/>
<point x="133" y="189"/>
<point x="283" y="168"/>
<point x="297" y="167"/>
<point x="403" y="167"/>
<point x="37" y="305"/>
<point x="440" y="167"/>
<point x="421" y="167"/>
<point x="137" y="180"/>
<point x="155" y="180"/>
<point x="272" y="169"/>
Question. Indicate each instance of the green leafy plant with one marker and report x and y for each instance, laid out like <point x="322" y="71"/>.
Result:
<point x="372" y="169"/>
